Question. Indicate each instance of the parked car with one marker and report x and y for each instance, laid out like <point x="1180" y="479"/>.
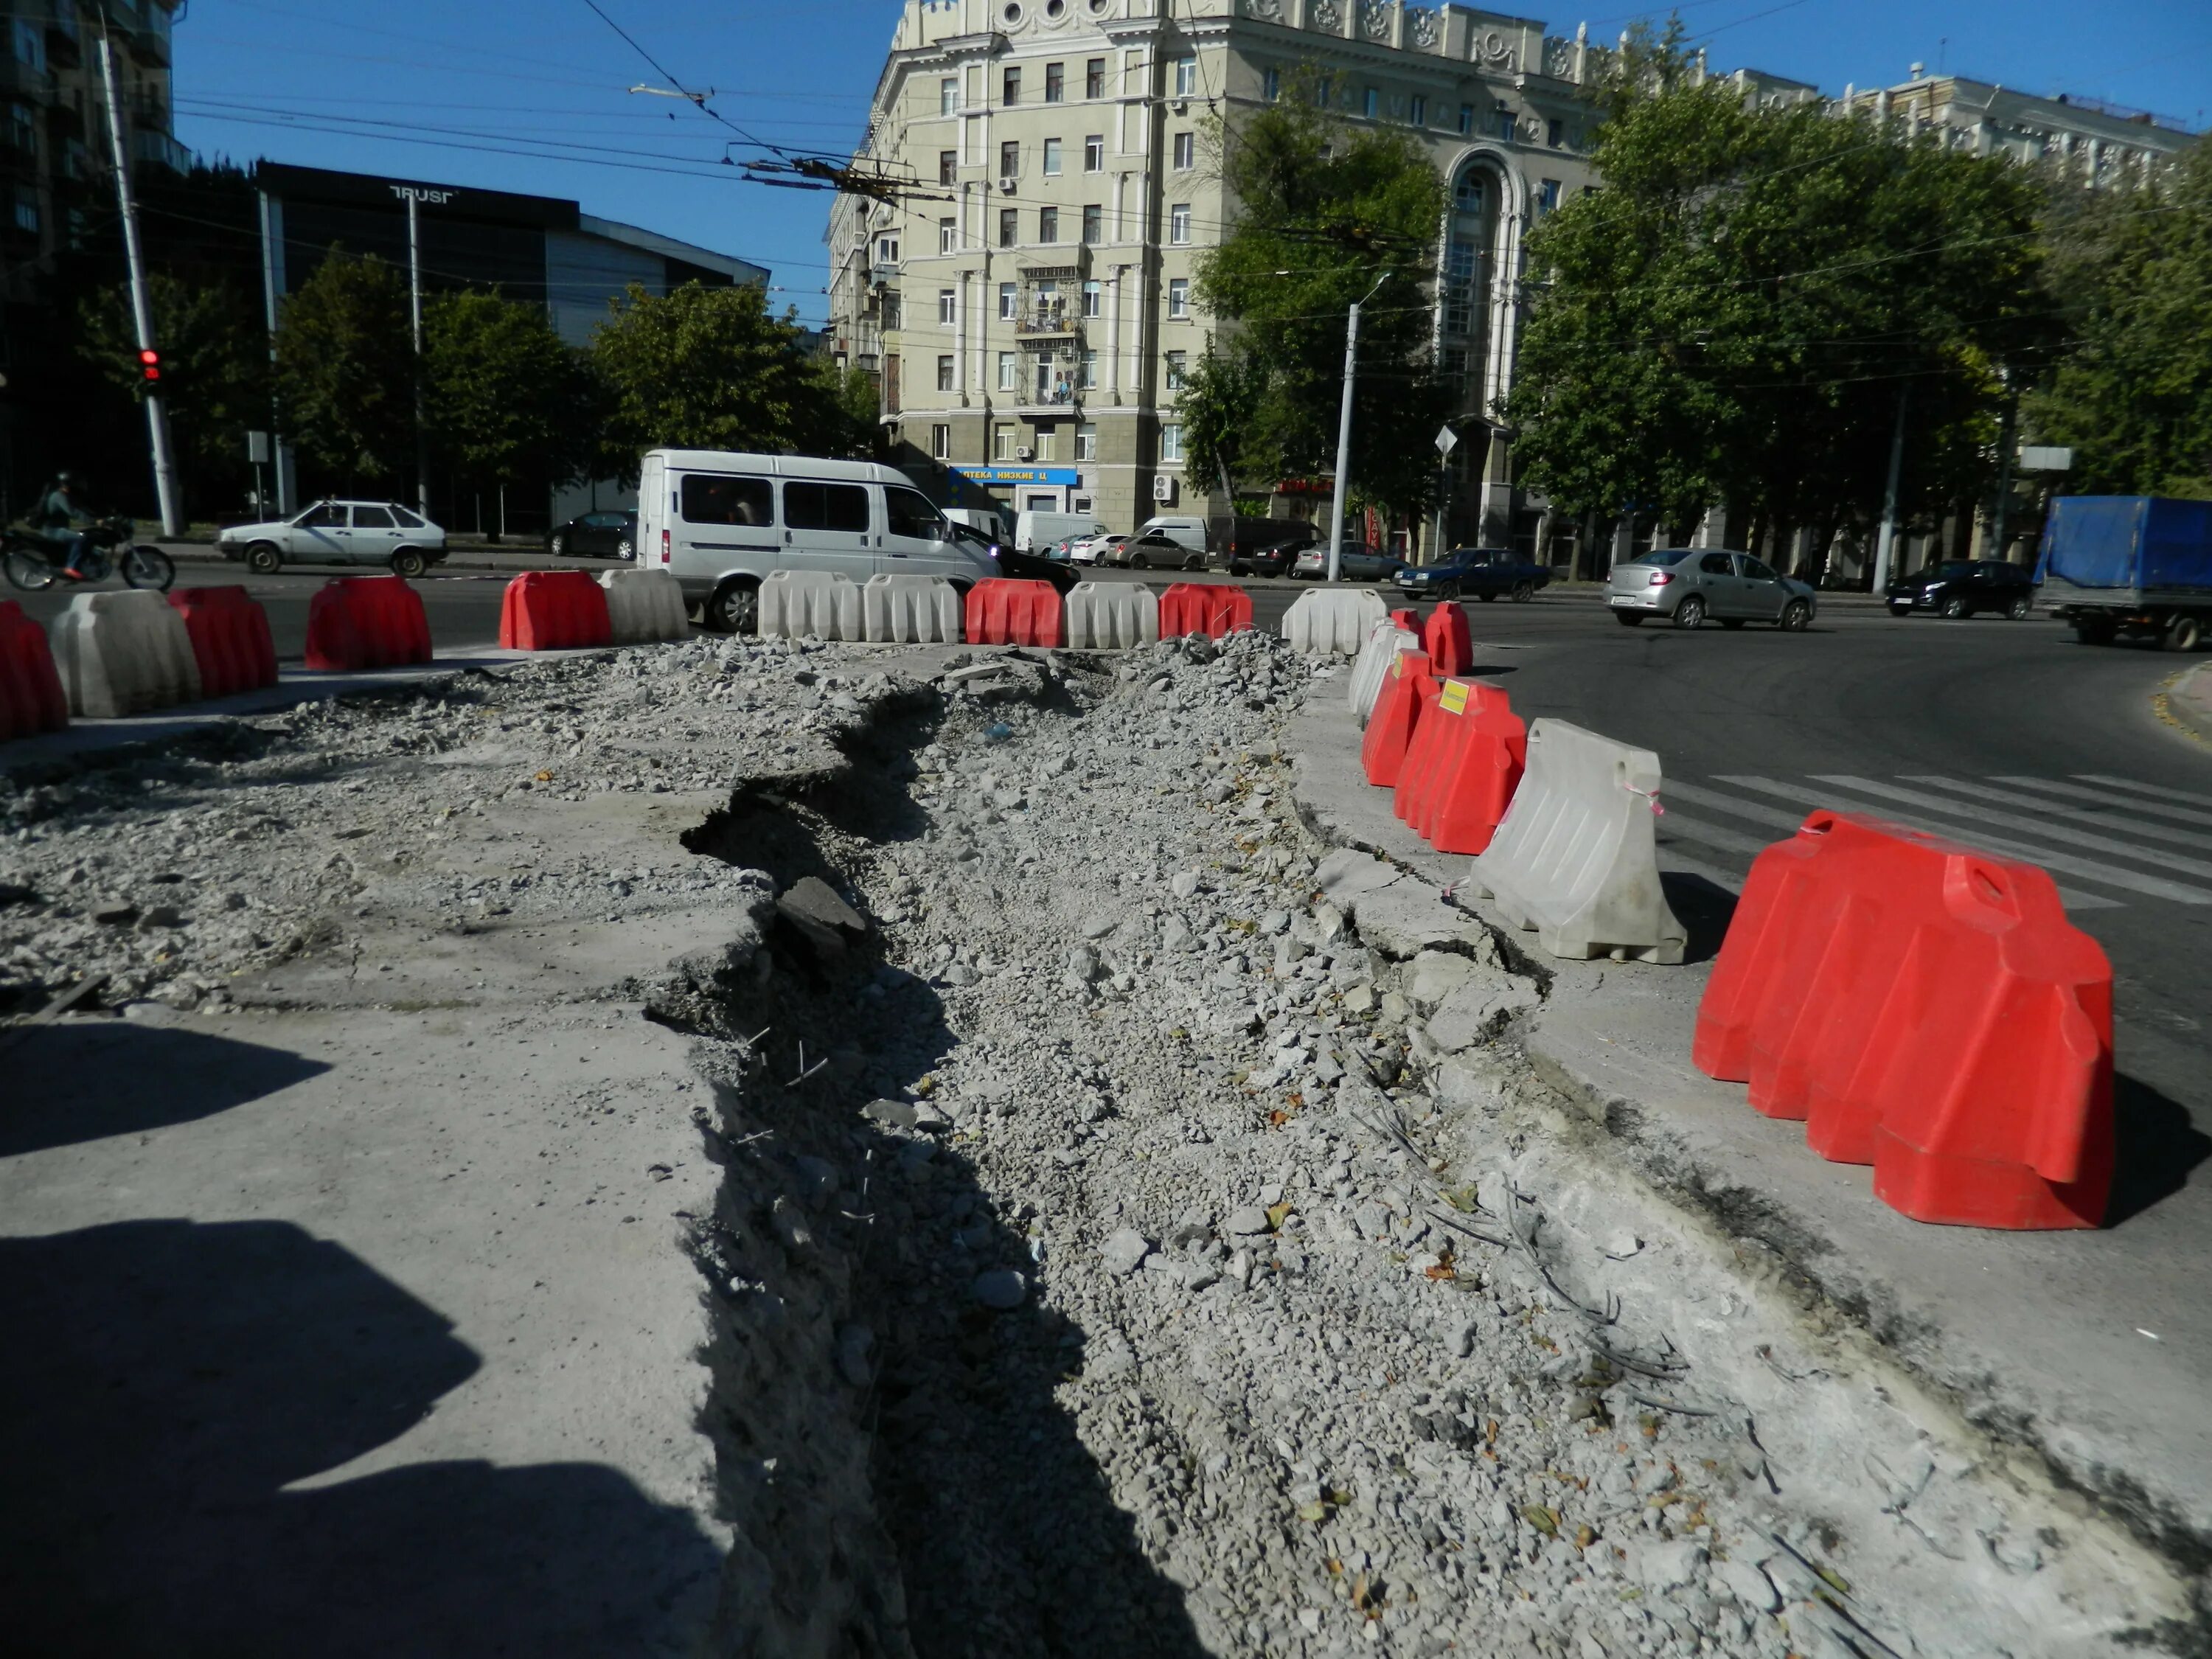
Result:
<point x="338" y="532"/>
<point x="1356" y="561"/>
<point x="601" y="535"/>
<point x="1094" y="550"/>
<point x="1191" y="532"/>
<point x="1154" y="550"/>
<point x="1960" y="587"/>
<point x="1687" y="584"/>
<point x="1264" y="547"/>
<point x="1484" y="573"/>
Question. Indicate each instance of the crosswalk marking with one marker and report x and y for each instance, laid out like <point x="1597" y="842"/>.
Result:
<point x="2105" y="875"/>
<point x="2075" y="792"/>
<point x="1711" y="834"/>
<point x="2013" y="798"/>
<point x="2058" y="832"/>
<point x="2158" y="790"/>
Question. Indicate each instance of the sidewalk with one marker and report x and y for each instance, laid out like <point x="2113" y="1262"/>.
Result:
<point x="2188" y="702"/>
<point x="509" y="556"/>
<point x="2089" y="1347"/>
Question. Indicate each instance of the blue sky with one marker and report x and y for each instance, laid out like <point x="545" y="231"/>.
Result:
<point x="536" y="97"/>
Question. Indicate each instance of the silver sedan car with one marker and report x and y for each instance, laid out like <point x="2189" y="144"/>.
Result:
<point x="1691" y="585"/>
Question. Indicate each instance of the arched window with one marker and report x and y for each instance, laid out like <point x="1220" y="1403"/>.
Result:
<point x="1472" y="194"/>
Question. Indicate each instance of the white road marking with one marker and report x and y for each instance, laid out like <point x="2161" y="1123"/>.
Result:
<point x="2075" y="792"/>
<point x="2147" y="788"/>
<point x="2131" y="826"/>
<point x="1977" y="817"/>
<point x="1709" y="835"/>
<point x="2087" y="869"/>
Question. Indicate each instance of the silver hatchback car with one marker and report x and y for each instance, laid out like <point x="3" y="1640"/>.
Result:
<point x="1690" y="585"/>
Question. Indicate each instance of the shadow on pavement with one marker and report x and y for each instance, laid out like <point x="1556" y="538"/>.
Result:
<point x="166" y="1380"/>
<point x="1704" y="907"/>
<point x="89" y="1080"/>
<point x="2158" y="1147"/>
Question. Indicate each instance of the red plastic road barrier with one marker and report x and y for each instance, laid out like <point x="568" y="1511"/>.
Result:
<point x="1410" y="620"/>
<point x="31" y="698"/>
<point x="554" y="610"/>
<point x="1466" y="761"/>
<point x="1445" y="638"/>
<point x="229" y="632"/>
<point x="1004" y="611"/>
<point x="1399" y="706"/>
<point x="1213" y="608"/>
<point x="367" y="621"/>
<point x="1925" y="1008"/>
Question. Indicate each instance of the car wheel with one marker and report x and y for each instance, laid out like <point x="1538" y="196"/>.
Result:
<point x="264" y="559"/>
<point x="558" y="547"/>
<point x="1691" y="613"/>
<point x="1523" y="591"/>
<point x="1139" y="561"/>
<point x="1447" y="590"/>
<point x="1629" y="618"/>
<point x="735" y="609"/>
<point x="1195" y="562"/>
<point x="409" y="561"/>
<point x="2018" y="610"/>
<point x="1952" y="609"/>
<point x="2184" y="634"/>
<point x="1796" y="617"/>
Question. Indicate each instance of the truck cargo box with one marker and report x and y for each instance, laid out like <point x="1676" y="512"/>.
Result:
<point x="2127" y="544"/>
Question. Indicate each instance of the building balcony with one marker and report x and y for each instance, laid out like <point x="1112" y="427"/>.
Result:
<point x="65" y="34"/>
<point x="1061" y="400"/>
<point x="19" y="79"/>
<point x="1057" y="324"/>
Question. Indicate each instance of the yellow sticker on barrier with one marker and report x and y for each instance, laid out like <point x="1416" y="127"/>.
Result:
<point x="1453" y="698"/>
<point x="1397" y="665"/>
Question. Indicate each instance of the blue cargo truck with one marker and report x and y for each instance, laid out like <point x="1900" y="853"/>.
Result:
<point x="2134" y="566"/>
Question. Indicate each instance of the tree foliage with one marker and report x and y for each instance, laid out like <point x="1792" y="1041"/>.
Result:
<point x="1736" y="316"/>
<point x="1326" y="215"/>
<point x="345" y="369"/>
<point x="2133" y="396"/>
<point x="508" y="399"/>
<point x="713" y="368"/>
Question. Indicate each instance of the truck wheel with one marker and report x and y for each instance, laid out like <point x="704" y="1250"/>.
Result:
<point x="735" y="609"/>
<point x="2184" y="632"/>
<point x="2094" y="630"/>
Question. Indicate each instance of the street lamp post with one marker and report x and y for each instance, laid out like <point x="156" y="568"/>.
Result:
<point x="1344" y="429"/>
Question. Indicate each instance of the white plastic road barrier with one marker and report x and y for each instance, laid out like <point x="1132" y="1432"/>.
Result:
<point x="124" y="653"/>
<point x="1333" y="621"/>
<point x="910" y="611"/>
<point x="1384" y="641"/>
<point x="1112" y="616"/>
<point x="1574" y="860"/>
<point x="644" y="605"/>
<point x="797" y="604"/>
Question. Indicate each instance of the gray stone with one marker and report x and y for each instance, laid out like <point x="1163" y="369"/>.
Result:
<point x="856" y="1345"/>
<point x="1002" y="1288"/>
<point x="1744" y="1581"/>
<point x="1125" y="1252"/>
<point x="892" y="1114"/>
<point x="1183" y="884"/>
<point x="1474" y="1010"/>
<point x="1247" y="1223"/>
<point x="1659" y="1567"/>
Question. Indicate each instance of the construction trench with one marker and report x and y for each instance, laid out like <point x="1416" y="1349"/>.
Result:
<point x="1097" y="1213"/>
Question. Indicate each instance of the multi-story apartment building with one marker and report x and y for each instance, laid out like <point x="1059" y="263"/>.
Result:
<point x="2104" y="145"/>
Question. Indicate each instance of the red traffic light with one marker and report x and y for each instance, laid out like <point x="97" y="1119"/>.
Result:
<point x="150" y="364"/>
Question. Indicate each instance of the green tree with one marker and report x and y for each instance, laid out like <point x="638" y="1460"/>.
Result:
<point x="345" y="369"/>
<point x="509" y="401"/>
<point x="2133" y="397"/>
<point x="1736" y="316"/>
<point x="713" y="368"/>
<point x="1326" y="215"/>
<point x="215" y="371"/>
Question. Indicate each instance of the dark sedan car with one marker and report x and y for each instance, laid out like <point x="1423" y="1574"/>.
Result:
<point x="604" y="535"/>
<point x="1482" y="573"/>
<point x="1960" y="587"/>
<point x="1356" y="561"/>
<point x="1021" y="566"/>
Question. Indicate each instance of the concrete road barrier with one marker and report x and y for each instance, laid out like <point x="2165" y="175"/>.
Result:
<point x="1385" y="639"/>
<point x="910" y="611"/>
<point x="554" y="610"/>
<point x="1927" y="1008"/>
<point x="1333" y="622"/>
<point x="367" y="621"/>
<point x="31" y="696"/>
<point x="124" y="653"/>
<point x="798" y="604"/>
<point x="1576" y="859"/>
<point x="230" y="637"/>
<point x="644" y="606"/>
<point x="1112" y="616"/>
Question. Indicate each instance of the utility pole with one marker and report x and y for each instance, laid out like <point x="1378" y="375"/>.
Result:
<point x="1889" y="500"/>
<point x="415" y="300"/>
<point x="280" y="452"/>
<point x="1344" y="429"/>
<point x="142" y="304"/>
<point x="2004" y="471"/>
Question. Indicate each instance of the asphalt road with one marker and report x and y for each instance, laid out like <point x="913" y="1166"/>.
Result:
<point x="2007" y="734"/>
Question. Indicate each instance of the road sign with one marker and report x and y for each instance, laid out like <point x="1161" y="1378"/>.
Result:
<point x="1447" y="440"/>
<point x="2035" y="460"/>
<point x="256" y="448"/>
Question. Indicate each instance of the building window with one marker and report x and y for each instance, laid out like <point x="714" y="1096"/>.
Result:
<point x="947" y="308"/>
<point x="1420" y="116"/>
<point x="1052" y="158"/>
<point x="1186" y="151"/>
<point x="891" y="313"/>
<point x="1009" y="306"/>
<point x="1094" y="78"/>
<point x="940" y="443"/>
<point x="1271" y="85"/>
<point x="1055" y="84"/>
<point x="1186" y="78"/>
<point x="948" y="236"/>
<point x="948" y="165"/>
<point x="1094" y="298"/>
<point x="1178" y="361"/>
<point x="945" y="373"/>
<point x="1010" y="159"/>
<point x="1325" y="91"/>
<point x="1012" y="85"/>
<point x="1010" y="226"/>
<point x="1171" y="441"/>
<point x="1506" y="123"/>
<point x="1373" y="105"/>
<point x="1547" y="196"/>
<point x="1008" y="367"/>
<point x="1043" y="445"/>
<point x="1179" y="297"/>
<point x="948" y="96"/>
<point x="1048" y="224"/>
<point x="1555" y="133"/>
<point x="1086" y="442"/>
<point x="1094" y="225"/>
<point x="1467" y="120"/>
<point x="1179" y="224"/>
<point x="1094" y="153"/>
<point x="1002" y="443"/>
<point x="886" y="250"/>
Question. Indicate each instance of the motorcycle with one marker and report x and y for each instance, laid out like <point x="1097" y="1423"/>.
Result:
<point x="34" y="564"/>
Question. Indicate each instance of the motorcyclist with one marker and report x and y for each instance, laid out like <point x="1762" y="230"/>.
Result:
<point x="59" y="517"/>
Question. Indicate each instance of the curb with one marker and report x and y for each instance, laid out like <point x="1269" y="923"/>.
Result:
<point x="2185" y="702"/>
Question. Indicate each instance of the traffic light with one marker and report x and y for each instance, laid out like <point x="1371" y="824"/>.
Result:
<point x="150" y="366"/>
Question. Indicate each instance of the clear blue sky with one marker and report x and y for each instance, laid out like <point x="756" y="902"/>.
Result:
<point x="535" y="97"/>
